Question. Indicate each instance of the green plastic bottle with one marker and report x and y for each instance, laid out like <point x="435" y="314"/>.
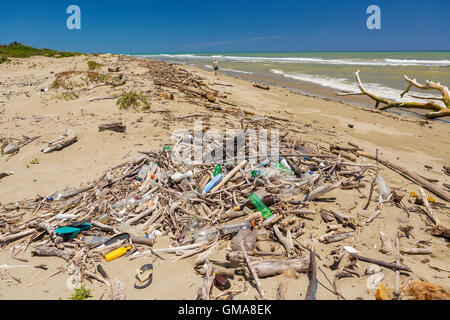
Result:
<point x="260" y="206"/>
<point x="217" y="170"/>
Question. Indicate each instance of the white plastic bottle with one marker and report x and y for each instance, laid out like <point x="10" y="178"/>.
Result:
<point x="382" y="187"/>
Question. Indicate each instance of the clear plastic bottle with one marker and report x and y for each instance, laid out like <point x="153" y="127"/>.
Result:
<point x="382" y="187"/>
<point x="235" y="227"/>
<point x="143" y="172"/>
<point x="193" y="225"/>
<point x="205" y="235"/>
<point x="177" y="177"/>
<point x="125" y="203"/>
<point x="65" y="193"/>
<point x="270" y="219"/>
<point x="94" y="241"/>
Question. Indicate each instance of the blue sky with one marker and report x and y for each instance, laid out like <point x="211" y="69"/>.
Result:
<point x="225" y="26"/>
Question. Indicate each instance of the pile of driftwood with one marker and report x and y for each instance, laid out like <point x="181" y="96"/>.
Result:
<point x="160" y="194"/>
<point x="171" y="76"/>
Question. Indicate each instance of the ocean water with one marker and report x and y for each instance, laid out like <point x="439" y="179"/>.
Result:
<point x="381" y="72"/>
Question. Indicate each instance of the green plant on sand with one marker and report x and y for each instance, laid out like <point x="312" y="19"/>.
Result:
<point x="92" y="65"/>
<point x="133" y="99"/>
<point x="81" y="294"/>
<point x="4" y="59"/>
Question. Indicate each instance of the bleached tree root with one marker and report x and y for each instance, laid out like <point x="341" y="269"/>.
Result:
<point x="437" y="110"/>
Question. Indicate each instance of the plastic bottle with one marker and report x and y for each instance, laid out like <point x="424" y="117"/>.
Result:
<point x="235" y="227"/>
<point x="269" y="220"/>
<point x="94" y="241"/>
<point x="260" y="206"/>
<point x="268" y="200"/>
<point x="211" y="184"/>
<point x="205" y="235"/>
<point x="193" y="225"/>
<point x="217" y="170"/>
<point x="104" y="218"/>
<point x="65" y="193"/>
<point x="177" y="177"/>
<point x="63" y="216"/>
<point x="125" y="203"/>
<point x="143" y="172"/>
<point x="117" y="253"/>
<point x="382" y="187"/>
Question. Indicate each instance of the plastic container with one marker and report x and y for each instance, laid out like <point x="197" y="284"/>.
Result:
<point x="104" y="218"/>
<point x="193" y="225"/>
<point x="217" y="170"/>
<point x="63" y="216"/>
<point x="117" y="253"/>
<point x="211" y="184"/>
<point x="268" y="200"/>
<point x="126" y="203"/>
<point x="269" y="220"/>
<point x="260" y="206"/>
<point x="235" y="227"/>
<point x="205" y="235"/>
<point x="177" y="177"/>
<point x="143" y="172"/>
<point x="65" y="193"/>
<point x="94" y="241"/>
<point x="382" y="187"/>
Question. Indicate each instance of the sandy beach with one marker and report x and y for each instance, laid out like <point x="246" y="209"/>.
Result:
<point x="421" y="145"/>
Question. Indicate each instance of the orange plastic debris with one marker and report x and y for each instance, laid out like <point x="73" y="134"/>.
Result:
<point x="383" y="293"/>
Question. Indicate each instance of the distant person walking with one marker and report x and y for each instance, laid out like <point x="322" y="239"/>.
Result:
<point x="215" y="66"/>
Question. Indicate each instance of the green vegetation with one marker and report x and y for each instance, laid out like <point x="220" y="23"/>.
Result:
<point x="67" y="96"/>
<point x="70" y="79"/>
<point x="94" y="65"/>
<point x="133" y="99"/>
<point x="96" y="77"/>
<point x="81" y="294"/>
<point x="4" y="59"/>
<point x="18" y="50"/>
<point x="35" y="161"/>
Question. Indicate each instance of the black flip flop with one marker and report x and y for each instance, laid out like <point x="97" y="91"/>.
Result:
<point x="144" y="277"/>
<point x="118" y="237"/>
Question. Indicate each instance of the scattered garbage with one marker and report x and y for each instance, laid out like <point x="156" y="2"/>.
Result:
<point x="254" y="212"/>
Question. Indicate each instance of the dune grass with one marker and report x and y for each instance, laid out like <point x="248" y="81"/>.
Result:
<point x="18" y="50"/>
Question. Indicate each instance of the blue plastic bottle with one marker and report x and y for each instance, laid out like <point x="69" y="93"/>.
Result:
<point x="211" y="184"/>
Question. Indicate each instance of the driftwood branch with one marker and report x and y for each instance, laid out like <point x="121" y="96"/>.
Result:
<point x="438" y="110"/>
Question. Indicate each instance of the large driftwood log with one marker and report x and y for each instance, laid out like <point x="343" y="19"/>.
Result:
<point x="438" y="110"/>
<point x="67" y="138"/>
<point x="270" y="268"/>
<point x="52" y="252"/>
<point x="15" y="236"/>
